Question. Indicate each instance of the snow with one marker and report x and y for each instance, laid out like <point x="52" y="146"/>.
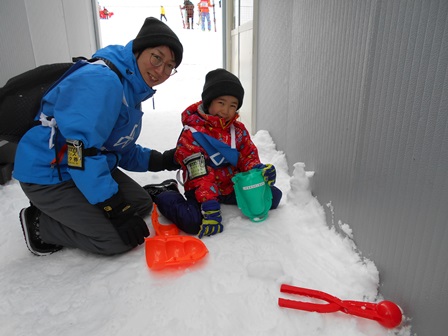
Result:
<point x="235" y="288"/>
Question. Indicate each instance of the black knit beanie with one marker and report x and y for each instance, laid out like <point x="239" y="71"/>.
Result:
<point x="221" y="82"/>
<point x="155" y="33"/>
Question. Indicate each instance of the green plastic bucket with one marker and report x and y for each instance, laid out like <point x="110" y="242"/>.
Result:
<point x="253" y="194"/>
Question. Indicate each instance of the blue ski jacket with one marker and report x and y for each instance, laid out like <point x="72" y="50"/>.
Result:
<point x="90" y="105"/>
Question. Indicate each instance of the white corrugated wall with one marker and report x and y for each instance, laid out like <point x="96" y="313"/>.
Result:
<point x="358" y="90"/>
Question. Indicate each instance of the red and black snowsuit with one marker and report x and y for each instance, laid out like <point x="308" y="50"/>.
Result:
<point x="217" y="183"/>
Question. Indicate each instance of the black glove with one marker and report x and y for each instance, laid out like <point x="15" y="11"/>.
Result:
<point x="131" y="227"/>
<point x="165" y="161"/>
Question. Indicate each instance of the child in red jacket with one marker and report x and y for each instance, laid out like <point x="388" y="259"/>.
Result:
<point x="212" y="148"/>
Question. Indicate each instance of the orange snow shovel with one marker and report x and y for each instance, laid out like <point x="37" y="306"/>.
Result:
<point x="168" y="248"/>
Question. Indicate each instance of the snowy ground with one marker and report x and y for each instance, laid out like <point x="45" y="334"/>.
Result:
<point x="233" y="290"/>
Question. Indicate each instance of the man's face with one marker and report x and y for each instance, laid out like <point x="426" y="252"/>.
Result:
<point x="156" y="65"/>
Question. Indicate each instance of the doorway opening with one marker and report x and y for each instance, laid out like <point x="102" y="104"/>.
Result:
<point x="203" y="49"/>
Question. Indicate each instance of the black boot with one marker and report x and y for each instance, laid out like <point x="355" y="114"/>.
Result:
<point x="29" y="219"/>
<point x="156" y="189"/>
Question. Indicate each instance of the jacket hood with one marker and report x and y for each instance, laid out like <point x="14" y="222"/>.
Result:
<point x="135" y="88"/>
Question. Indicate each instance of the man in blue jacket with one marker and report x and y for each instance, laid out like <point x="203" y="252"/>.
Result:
<point x="90" y="122"/>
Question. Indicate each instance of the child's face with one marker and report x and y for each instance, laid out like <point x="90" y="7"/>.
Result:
<point x="224" y="107"/>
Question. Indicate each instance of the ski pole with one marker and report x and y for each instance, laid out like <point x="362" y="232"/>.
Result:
<point x="182" y="15"/>
<point x="214" y="17"/>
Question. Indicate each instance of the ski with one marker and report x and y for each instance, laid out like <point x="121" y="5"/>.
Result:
<point x="182" y="15"/>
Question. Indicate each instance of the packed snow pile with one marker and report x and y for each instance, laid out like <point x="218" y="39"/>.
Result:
<point x="232" y="291"/>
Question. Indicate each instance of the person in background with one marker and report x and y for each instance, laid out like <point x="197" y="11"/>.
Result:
<point x="205" y="14"/>
<point x="207" y="171"/>
<point x="106" y="13"/>
<point x="70" y="166"/>
<point x="189" y="8"/>
<point x="162" y="14"/>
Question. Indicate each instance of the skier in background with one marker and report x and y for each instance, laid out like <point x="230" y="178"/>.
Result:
<point x="106" y="13"/>
<point x="189" y="7"/>
<point x="205" y="14"/>
<point x="162" y="14"/>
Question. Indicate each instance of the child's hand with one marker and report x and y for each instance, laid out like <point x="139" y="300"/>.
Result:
<point x="268" y="171"/>
<point x="211" y="221"/>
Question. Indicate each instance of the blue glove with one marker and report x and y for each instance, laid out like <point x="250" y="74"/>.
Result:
<point x="268" y="171"/>
<point x="211" y="219"/>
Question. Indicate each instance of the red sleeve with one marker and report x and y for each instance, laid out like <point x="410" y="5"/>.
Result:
<point x="248" y="151"/>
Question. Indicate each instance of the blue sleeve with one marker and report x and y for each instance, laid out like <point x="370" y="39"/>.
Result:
<point x="136" y="159"/>
<point x="87" y="109"/>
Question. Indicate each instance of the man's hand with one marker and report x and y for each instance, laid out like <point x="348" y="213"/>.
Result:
<point x="131" y="227"/>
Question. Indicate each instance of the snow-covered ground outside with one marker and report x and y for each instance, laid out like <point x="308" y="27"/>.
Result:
<point x="235" y="288"/>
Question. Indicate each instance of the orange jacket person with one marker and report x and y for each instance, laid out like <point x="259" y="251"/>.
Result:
<point x="205" y="14"/>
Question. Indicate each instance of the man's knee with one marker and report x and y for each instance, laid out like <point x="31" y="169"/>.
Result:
<point x="143" y="204"/>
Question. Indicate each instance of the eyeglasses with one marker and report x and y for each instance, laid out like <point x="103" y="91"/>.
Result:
<point x="168" y="69"/>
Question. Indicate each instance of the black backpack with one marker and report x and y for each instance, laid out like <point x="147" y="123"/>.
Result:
<point x="21" y="96"/>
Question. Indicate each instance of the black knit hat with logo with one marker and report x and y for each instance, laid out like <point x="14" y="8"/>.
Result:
<point x="221" y="82"/>
<point x="155" y="33"/>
